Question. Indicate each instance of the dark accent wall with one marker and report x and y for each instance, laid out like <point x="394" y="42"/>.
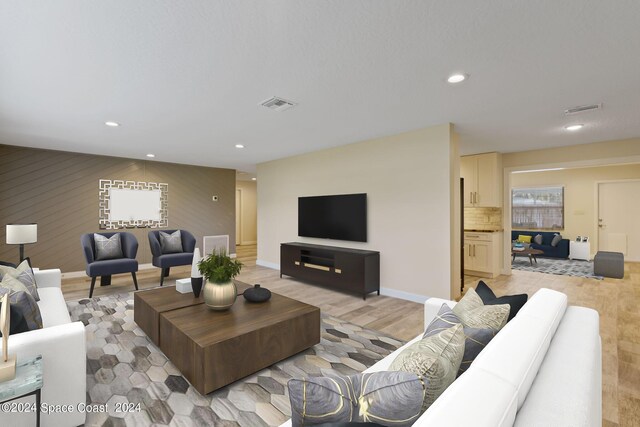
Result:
<point x="59" y="191"/>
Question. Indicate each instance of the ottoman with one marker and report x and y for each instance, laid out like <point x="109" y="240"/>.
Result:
<point x="609" y="264"/>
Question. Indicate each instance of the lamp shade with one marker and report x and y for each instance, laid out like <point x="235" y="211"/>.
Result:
<point x="18" y="234"/>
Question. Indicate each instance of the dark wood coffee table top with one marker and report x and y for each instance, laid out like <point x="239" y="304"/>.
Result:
<point x="243" y="317"/>
<point x="215" y="348"/>
<point x="528" y="251"/>
<point x="148" y="305"/>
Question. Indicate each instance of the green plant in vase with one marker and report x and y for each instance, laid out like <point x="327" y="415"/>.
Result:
<point x="219" y="270"/>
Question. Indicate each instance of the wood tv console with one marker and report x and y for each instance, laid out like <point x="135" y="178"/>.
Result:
<point x="351" y="270"/>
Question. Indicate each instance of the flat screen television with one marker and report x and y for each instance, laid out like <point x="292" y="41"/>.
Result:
<point x="339" y="217"/>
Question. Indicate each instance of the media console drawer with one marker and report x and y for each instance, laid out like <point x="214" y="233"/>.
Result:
<point x="351" y="270"/>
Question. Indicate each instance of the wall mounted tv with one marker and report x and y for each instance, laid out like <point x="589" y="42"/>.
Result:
<point x="339" y="217"/>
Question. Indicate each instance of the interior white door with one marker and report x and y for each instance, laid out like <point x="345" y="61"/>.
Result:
<point x="238" y="216"/>
<point x="618" y="227"/>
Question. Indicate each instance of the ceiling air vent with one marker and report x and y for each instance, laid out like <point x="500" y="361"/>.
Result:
<point x="582" y="109"/>
<point x="278" y="104"/>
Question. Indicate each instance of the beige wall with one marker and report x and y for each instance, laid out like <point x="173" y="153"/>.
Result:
<point x="408" y="181"/>
<point x="249" y="212"/>
<point x="598" y="153"/>
<point x="59" y="191"/>
<point x="580" y="200"/>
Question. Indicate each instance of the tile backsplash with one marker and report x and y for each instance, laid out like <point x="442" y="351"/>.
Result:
<point x="482" y="218"/>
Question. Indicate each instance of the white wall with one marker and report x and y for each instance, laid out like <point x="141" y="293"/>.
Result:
<point x="249" y="212"/>
<point x="409" y="180"/>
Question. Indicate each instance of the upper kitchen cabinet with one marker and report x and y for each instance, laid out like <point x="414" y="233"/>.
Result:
<point x="482" y="180"/>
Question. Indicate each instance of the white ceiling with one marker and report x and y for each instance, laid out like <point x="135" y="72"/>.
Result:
<point x="184" y="77"/>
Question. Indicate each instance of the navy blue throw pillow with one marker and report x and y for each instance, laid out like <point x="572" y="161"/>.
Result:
<point x="516" y="302"/>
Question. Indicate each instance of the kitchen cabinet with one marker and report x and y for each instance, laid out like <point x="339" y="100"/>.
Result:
<point x="482" y="175"/>
<point x="482" y="253"/>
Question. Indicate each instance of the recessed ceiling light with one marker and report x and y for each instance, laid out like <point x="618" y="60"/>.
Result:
<point x="254" y="179"/>
<point x="573" y="128"/>
<point x="239" y="146"/>
<point x="112" y="124"/>
<point x="456" y="78"/>
<point x="151" y="156"/>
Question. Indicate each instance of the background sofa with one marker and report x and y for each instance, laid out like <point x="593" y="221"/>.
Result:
<point x="62" y="346"/>
<point x="544" y="368"/>
<point x="560" y="251"/>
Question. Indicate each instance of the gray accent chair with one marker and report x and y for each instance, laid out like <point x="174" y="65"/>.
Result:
<point x="166" y="261"/>
<point x="108" y="267"/>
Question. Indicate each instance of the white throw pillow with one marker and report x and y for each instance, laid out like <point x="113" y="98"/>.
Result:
<point x="474" y="314"/>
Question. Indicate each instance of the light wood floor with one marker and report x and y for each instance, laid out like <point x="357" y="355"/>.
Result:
<point x="617" y="301"/>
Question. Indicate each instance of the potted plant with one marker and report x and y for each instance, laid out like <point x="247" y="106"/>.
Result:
<point x="219" y="269"/>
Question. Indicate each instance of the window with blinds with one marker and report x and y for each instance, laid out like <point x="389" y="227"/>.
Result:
<point x="538" y="208"/>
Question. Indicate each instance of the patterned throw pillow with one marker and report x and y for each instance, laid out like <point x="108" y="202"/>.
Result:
<point x="170" y="243"/>
<point x="516" y="302"/>
<point x="475" y="339"/>
<point x="24" y="274"/>
<point x="474" y="314"/>
<point x="436" y="359"/>
<point x="24" y="311"/>
<point x="389" y="398"/>
<point x="556" y="239"/>
<point x="107" y="247"/>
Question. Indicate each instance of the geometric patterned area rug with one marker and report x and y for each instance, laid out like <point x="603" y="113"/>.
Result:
<point x="123" y="366"/>
<point x="564" y="267"/>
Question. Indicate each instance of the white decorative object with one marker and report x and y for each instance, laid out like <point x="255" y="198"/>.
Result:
<point x="215" y="243"/>
<point x="132" y="204"/>
<point x="184" y="286"/>
<point x="195" y="272"/>
<point x="7" y="364"/>
<point x="579" y="250"/>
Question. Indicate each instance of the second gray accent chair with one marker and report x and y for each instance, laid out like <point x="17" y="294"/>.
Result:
<point x="165" y="261"/>
<point x="107" y="267"/>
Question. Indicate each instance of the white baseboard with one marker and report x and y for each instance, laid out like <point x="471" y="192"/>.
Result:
<point x="268" y="264"/>
<point x="232" y="255"/>
<point x="76" y="274"/>
<point x="403" y="295"/>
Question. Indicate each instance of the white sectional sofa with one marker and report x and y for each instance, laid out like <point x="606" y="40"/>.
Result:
<point x="62" y="346"/>
<point x="544" y="368"/>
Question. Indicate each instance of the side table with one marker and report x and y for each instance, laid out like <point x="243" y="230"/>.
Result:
<point x="579" y="250"/>
<point x="28" y="382"/>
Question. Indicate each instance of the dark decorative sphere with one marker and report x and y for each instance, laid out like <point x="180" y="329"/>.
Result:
<point x="257" y="294"/>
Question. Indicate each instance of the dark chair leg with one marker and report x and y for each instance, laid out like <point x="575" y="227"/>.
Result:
<point x="164" y="273"/>
<point x="135" y="279"/>
<point x="93" y="283"/>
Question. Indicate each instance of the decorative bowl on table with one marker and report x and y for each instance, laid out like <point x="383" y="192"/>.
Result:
<point x="257" y="294"/>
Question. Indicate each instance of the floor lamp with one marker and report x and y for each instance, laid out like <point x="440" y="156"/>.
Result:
<point x="22" y="234"/>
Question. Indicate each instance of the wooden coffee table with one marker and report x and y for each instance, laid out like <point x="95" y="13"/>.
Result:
<point x="531" y="253"/>
<point x="212" y="348"/>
